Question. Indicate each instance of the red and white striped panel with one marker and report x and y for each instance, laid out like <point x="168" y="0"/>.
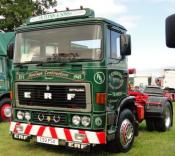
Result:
<point x="58" y="133"/>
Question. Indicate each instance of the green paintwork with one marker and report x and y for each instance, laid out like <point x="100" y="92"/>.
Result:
<point x="5" y="63"/>
<point x="105" y="76"/>
<point x="5" y="39"/>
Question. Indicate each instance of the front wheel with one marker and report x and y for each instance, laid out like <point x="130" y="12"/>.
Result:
<point x="5" y="109"/>
<point x="124" y="134"/>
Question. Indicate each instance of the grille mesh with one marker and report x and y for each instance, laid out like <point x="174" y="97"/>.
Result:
<point x="59" y="96"/>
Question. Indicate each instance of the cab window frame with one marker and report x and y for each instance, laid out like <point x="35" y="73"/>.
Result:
<point x="114" y="44"/>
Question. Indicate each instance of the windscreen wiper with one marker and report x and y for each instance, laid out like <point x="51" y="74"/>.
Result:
<point x="27" y="62"/>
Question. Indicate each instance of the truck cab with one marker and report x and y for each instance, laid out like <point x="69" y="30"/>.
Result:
<point x="5" y="76"/>
<point x="70" y="82"/>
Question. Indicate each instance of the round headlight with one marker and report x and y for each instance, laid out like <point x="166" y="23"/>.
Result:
<point x="76" y="120"/>
<point x="86" y="121"/>
<point x="20" y="115"/>
<point x="27" y="116"/>
<point x="7" y="112"/>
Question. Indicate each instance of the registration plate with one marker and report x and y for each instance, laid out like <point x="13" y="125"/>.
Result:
<point x="46" y="140"/>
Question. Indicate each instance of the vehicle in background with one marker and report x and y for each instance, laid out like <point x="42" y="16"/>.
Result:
<point x="5" y="76"/>
<point x="154" y="107"/>
<point x="142" y="81"/>
<point x="168" y="83"/>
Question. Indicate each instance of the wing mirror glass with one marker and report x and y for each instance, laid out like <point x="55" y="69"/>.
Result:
<point x="125" y="45"/>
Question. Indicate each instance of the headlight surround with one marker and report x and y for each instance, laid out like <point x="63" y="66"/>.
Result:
<point x="27" y="116"/>
<point x="85" y="121"/>
<point x="76" y="120"/>
<point x="20" y="115"/>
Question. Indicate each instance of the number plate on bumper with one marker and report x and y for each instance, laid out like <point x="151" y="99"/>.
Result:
<point x="46" y="140"/>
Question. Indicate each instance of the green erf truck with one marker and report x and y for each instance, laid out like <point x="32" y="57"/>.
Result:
<point x="5" y="72"/>
<point x="70" y="80"/>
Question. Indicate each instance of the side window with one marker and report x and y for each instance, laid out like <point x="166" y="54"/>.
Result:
<point x="115" y="45"/>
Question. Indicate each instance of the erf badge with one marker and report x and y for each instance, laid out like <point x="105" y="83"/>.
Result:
<point x="48" y="118"/>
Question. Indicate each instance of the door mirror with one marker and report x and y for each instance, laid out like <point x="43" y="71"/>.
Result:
<point x="10" y="50"/>
<point x="125" y="45"/>
<point x="170" y="31"/>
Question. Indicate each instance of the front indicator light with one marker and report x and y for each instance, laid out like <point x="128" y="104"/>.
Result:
<point x="100" y="98"/>
<point x="11" y="95"/>
<point x="86" y="121"/>
<point x="76" y="120"/>
<point x="20" y="115"/>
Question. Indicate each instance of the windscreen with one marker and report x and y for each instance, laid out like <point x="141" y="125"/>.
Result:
<point x="59" y="45"/>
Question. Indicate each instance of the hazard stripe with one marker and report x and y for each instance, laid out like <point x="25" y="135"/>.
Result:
<point x="92" y="137"/>
<point x="73" y="133"/>
<point x="47" y="132"/>
<point x="27" y="131"/>
<point x="59" y="133"/>
<point x="85" y="140"/>
<point x="68" y="135"/>
<point x="101" y="137"/>
<point x="17" y="124"/>
<point x="34" y="130"/>
<point x="41" y="130"/>
<point x="12" y="126"/>
<point x="53" y="133"/>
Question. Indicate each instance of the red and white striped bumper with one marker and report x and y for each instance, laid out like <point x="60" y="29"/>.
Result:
<point x="58" y="133"/>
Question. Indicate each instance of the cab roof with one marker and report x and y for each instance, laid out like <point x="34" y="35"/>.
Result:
<point x="67" y="17"/>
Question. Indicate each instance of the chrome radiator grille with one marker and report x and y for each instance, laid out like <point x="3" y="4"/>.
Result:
<point x="53" y="95"/>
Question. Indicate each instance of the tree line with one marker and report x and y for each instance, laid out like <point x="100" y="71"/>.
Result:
<point x="14" y="12"/>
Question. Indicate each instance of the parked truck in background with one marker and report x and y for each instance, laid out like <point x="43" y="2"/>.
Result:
<point x="168" y="78"/>
<point x="69" y="83"/>
<point x="141" y="81"/>
<point x="5" y="72"/>
<point x="168" y="83"/>
<point x="153" y="106"/>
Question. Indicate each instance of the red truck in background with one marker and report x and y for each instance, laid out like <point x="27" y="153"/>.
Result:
<point x="153" y="106"/>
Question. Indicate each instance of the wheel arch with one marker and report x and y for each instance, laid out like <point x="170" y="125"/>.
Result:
<point x="127" y="103"/>
<point x="3" y="96"/>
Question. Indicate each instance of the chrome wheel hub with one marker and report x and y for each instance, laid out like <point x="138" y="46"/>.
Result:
<point x="126" y="132"/>
<point x="167" y="118"/>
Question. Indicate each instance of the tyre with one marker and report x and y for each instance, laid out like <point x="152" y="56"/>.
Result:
<point x="5" y="109"/>
<point x="124" y="136"/>
<point x="163" y="124"/>
<point x="150" y="124"/>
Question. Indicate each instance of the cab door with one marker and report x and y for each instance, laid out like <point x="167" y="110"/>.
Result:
<point x="117" y="70"/>
<point x="4" y="85"/>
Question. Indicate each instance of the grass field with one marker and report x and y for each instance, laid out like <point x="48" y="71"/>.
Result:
<point x="146" y="144"/>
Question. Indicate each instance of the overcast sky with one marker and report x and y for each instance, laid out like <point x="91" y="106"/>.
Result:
<point x="145" y="22"/>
